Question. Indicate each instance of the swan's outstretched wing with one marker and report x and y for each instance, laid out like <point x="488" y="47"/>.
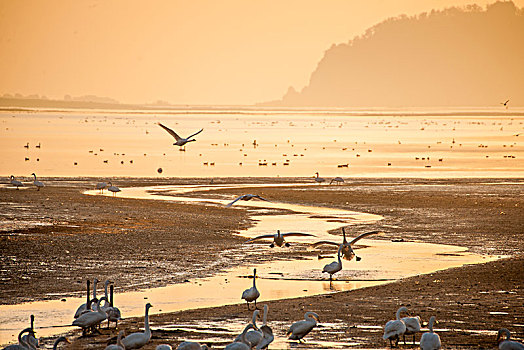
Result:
<point x="257" y="196"/>
<point x="236" y="199"/>
<point x="297" y="234"/>
<point x="260" y="237"/>
<point x="171" y="132"/>
<point x="364" y="235"/>
<point x="196" y="133"/>
<point x="314" y="245"/>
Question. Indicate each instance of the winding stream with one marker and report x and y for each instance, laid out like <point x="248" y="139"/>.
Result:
<point x="382" y="262"/>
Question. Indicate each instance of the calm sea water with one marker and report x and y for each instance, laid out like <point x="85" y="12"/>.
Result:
<point x="253" y="142"/>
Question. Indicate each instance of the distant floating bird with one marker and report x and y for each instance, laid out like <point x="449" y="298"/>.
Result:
<point x="347" y="249"/>
<point x="318" y="179"/>
<point x="38" y="184"/>
<point x="246" y="197"/>
<point x="113" y="189"/>
<point x="278" y="238"/>
<point x="431" y="340"/>
<point x="100" y="186"/>
<point x="15" y="182"/>
<point x="38" y="146"/>
<point x="300" y="329"/>
<point x="251" y="294"/>
<point x="180" y="141"/>
<point x="395" y="328"/>
<point x="26" y="145"/>
<point x="337" y="179"/>
<point x="139" y="339"/>
<point x="505" y="104"/>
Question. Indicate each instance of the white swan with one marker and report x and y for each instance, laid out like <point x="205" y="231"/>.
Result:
<point x="82" y="308"/>
<point x="335" y="266"/>
<point x="347" y="249"/>
<point x="253" y="336"/>
<point x="100" y="186"/>
<point x="180" y="141"/>
<point x="22" y="345"/>
<point x="91" y="319"/>
<point x="191" y="345"/>
<point x="245" y="197"/>
<point x="506" y="344"/>
<point x="16" y="183"/>
<point x="139" y="339"/>
<point x="242" y="344"/>
<point x="38" y="184"/>
<point x="60" y="340"/>
<point x="278" y="238"/>
<point x="30" y="338"/>
<point x="412" y="327"/>
<point x="318" y="179"/>
<point x="395" y="328"/>
<point x="266" y="331"/>
<point x="113" y="189"/>
<point x="163" y="347"/>
<point x="431" y="341"/>
<point x="113" y="313"/>
<point x="118" y="345"/>
<point x="300" y="329"/>
<point x="251" y="294"/>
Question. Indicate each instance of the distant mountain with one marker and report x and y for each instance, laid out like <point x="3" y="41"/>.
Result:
<point x="454" y="57"/>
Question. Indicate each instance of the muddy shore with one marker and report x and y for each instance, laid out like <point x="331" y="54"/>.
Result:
<point x="53" y="239"/>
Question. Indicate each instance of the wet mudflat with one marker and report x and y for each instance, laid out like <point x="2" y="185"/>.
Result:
<point x="476" y="214"/>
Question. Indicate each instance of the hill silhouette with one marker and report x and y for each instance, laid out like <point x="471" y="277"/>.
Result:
<point x="454" y="57"/>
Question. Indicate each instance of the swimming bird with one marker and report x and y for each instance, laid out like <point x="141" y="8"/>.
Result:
<point x="335" y="266"/>
<point x="347" y="249"/>
<point x="22" y="345"/>
<point x="412" y="327"/>
<point x="337" y="179"/>
<point x="113" y="189"/>
<point x="30" y="338"/>
<point x="300" y="329"/>
<point x="38" y="184"/>
<point x="395" y="328"/>
<point x="100" y="186"/>
<point x="254" y="336"/>
<point x="506" y="344"/>
<point x="251" y="294"/>
<point x="278" y="238"/>
<point x="243" y="343"/>
<point x="191" y="345"/>
<point x="15" y="182"/>
<point x="266" y="331"/>
<point x="246" y="197"/>
<point x="91" y="319"/>
<point x="118" y="345"/>
<point x="139" y="339"/>
<point x="84" y="306"/>
<point x="60" y="340"/>
<point x="505" y="104"/>
<point x="180" y="141"/>
<point x="431" y="340"/>
<point x="318" y="179"/>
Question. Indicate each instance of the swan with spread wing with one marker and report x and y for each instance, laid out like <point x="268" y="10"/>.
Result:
<point x="279" y="238"/>
<point x="347" y="249"/>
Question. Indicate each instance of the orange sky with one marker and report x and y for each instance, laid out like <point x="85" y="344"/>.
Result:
<point x="184" y="52"/>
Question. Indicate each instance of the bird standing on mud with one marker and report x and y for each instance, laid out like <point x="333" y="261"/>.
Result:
<point x="251" y="294"/>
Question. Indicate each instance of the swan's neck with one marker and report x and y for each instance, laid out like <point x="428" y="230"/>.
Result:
<point x="94" y="289"/>
<point x="398" y="314"/>
<point x="344" y="235"/>
<point x="254" y="279"/>
<point x="254" y="320"/>
<point x="34" y="176"/>
<point x="146" y="322"/>
<point x="98" y="308"/>
<point x="338" y="254"/>
<point x="430" y="326"/>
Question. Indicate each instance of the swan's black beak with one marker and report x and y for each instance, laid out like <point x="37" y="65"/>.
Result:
<point x="358" y="258"/>
<point x="272" y="245"/>
<point x="287" y="244"/>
